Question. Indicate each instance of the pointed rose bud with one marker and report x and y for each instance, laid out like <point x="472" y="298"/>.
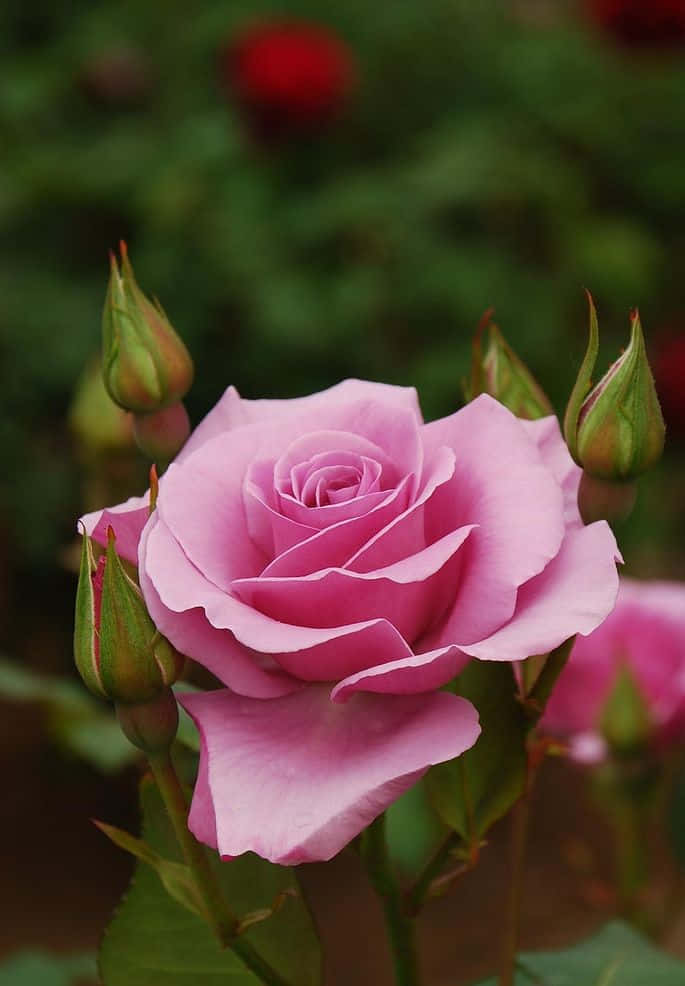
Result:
<point x="500" y="373"/>
<point x="119" y="652"/>
<point x="616" y="431"/>
<point x="625" y="721"/>
<point x="146" y="366"/>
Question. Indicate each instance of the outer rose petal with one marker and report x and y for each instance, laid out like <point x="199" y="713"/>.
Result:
<point x="127" y="519"/>
<point x="232" y="411"/>
<point x="574" y="594"/>
<point x="502" y="485"/>
<point x="296" y="778"/>
<point x="547" y="436"/>
<point x="409" y="676"/>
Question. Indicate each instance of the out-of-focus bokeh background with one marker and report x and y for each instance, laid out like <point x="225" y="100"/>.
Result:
<point x="435" y="158"/>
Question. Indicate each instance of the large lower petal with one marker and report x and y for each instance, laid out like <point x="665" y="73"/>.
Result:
<point x="574" y="594"/>
<point x="295" y="779"/>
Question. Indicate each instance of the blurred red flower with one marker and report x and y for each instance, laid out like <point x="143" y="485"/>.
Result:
<point x="668" y="364"/>
<point x="288" y="76"/>
<point x="641" y="22"/>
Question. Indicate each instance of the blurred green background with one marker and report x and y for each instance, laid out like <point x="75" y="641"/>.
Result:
<point x="491" y="153"/>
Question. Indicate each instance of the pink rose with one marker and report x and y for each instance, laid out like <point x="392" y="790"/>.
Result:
<point x="334" y="561"/>
<point x="646" y="633"/>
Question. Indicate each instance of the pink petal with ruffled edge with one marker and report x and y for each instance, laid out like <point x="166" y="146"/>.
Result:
<point x="573" y="595"/>
<point x="246" y="672"/>
<point x="309" y="653"/>
<point x="295" y="779"/>
<point x="500" y="484"/>
<point x="126" y="519"/>
<point x="408" y="676"/>
<point x="234" y="411"/>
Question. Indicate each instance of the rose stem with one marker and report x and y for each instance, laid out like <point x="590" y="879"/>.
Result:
<point x="519" y="832"/>
<point x="399" y="925"/>
<point x="222" y="921"/>
<point x="419" y="890"/>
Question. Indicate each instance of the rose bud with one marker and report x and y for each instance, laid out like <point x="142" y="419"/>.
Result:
<point x="500" y="373"/>
<point x="95" y="421"/>
<point x="623" y="688"/>
<point x="288" y="76"/>
<point x="118" y="650"/>
<point x="641" y="22"/>
<point x="617" y="431"/>
<point x="146" y="366"/>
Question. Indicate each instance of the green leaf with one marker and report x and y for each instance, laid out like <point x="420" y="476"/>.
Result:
<point x="154" y="941"/>
<point x="617" y="956"/>
<point x="40" y="969"/>
<point x="473" y="791"/>
<point x="413" y="830"/>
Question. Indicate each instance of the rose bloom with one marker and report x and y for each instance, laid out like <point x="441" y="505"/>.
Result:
<point x="288" y="76"/>
<point x="641" y="22"/>
<point x="645" y="633"/>
<point x="334" y="561"/>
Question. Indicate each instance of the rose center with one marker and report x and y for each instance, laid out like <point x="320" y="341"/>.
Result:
<point x="330" y="478"/>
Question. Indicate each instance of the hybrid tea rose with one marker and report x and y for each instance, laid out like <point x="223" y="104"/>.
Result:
<point x="645" y="636"/>
<point x="334" y="561"/>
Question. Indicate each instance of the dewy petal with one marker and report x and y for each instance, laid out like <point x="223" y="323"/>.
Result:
<point x="546" y="434"/>
<point x="574" y="594"/>
<point x="295" y="779"/>
<point x="127" y="520"/>
<point x="501" y="484"/>
<point x="409" y="676"/>
<point x="309" y="653"/>
<point x="218" y="650"/>
<point x="411" y="594"/>
<point x="233" y="411"/>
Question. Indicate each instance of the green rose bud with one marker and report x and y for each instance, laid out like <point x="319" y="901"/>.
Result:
<point x="500" y="373"/>
<point x="146" y="366"/>
<point x="617" y="431"/>
<point x="625" y="720"/>
<point x="119" y="652"/>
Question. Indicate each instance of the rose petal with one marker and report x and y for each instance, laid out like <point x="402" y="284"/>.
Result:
<point x="573" y="595"/>
<point x="501" y="484"/>
<point x="233" y="411"/>
<point x="126" y="519"/>
<point x="306" y="652"/>
<point x="209" y="482"/>
<point x="266" y="758"/>
<point x="410" y="594"/>
<point x="546" y="434"/>
<point x="246" y="672"/>
<point x="408" y="676"/>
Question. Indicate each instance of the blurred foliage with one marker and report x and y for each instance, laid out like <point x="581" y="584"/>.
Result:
<point x="496" y="153"/>
<point x="40" y="969"/>
<point x="616" y="956"/>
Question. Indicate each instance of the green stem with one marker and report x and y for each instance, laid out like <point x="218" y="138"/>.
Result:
<point x="416" y="894"/>
<point x="224" y="924"/>
<point x="519" y="831"/>
<point x="631" y="858"/>
<point x="400" y="926"/>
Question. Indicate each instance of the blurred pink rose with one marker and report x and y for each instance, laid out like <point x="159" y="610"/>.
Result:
<point x="334" y="561"/>
<point x="646" y="633"/>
